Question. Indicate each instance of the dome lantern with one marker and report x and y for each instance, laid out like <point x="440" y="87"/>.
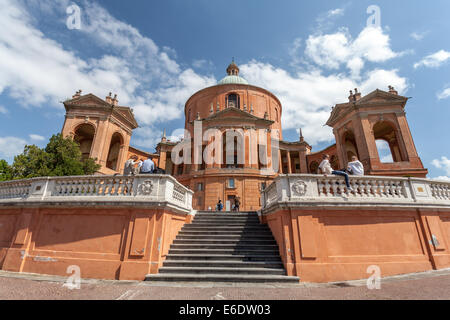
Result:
<point x="233" y="75"/>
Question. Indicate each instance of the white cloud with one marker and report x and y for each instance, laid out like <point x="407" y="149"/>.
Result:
<point x="333" y="50"/>
<point x="335" y="12"/>
<point x="442" y="178"/>
<point x="202" y="64"/>
<point x="36" y="137"/>
<point x="41" y="71"/>
<point x="445" y="93"/>
<point x="11" y="146"/>
<point x="434" y="60"/>
<point x="307" y="97"/>
<point x="418" y="35"/>
<point x="326" y="19"/>
<point x="443" y="163"/>
<point x="3" y="110"/>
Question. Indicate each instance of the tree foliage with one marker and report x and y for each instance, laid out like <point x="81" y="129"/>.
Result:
<point x="5" y="171"/>
<point x="61" y="157"/>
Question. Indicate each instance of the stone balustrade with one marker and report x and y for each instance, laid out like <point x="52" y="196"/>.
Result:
<point x="131" y="190"/>
<point x="307" y="189"/>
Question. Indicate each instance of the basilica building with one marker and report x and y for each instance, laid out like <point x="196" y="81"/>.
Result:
<point x="245" y="120"/>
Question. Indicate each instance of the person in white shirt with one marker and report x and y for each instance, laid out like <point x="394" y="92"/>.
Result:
<point x="355" y="167"/>
<point x="129" y="165"/>
<point x="326" y="169"/>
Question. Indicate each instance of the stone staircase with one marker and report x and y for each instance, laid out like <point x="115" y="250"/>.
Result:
<point x="224" y="247"/>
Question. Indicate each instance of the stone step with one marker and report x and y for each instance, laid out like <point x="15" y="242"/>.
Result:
<point x="220" y="246"/>
<point x="222" y="270"/>
<point x="212" y="232"/>
<point x="225" y="237"/>
<point x="224" y="216"/>
<point x="226" y="213"/>
<point x="228" y="257"/>
<point x="227" y="224"/>
<point x="225" y="251"/>
<point x="223" y="241"/>
<point x="225" y="228"/>
<point x="223" y="263"/>
<point x="221" y="278"/>
<point x="220" y="221"/>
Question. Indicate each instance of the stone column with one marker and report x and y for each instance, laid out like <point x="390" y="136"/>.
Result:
<point x="280" y="161"/>
<point x="340" y="149"/>
<point x="289" y="162"/>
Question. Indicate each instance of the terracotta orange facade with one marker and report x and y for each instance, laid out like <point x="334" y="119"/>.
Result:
<point x="258" y="153"/>
<point x="129" y="242"/>
<point x="333" y="244"/>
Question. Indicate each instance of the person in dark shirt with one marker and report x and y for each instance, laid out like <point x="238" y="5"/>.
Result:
<point x="219" y="205"/>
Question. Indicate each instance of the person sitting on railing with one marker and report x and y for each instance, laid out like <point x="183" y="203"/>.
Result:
<point x="147" y="166"/>
<point x="355" y="167"/>
<point x="137" y="169"/>
<point x="129" y="165"/>
<point x="326" y="169"/>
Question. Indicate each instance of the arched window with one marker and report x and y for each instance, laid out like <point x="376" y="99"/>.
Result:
<point x="276" y="115"/>
<point x="114" y="151"/>
<point x="84" y="136"/>
<point x="232" y="101"/>
<point x="387" y="141"/>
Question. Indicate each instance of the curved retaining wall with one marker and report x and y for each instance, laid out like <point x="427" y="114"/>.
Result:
<point x="114" y="227"/>
<point x="326" y="233"/>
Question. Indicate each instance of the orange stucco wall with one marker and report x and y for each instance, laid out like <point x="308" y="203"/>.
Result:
<point x="106" y="243"/>
<point x="334" y="245"/>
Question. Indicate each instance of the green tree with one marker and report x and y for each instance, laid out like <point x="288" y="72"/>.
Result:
<point x="61" y="157"/>
<point x="33" y="162"/>
<point x="6" y="172"/>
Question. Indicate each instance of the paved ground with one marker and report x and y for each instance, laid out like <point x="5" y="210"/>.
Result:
<point x="426" y="285"/>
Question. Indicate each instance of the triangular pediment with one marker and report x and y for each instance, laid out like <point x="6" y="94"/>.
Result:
<point x="87" y="100"/>
<point x="126" y="113"/>
<point x="378" y="96"/>
<point x="375" y="98"/>
<point x="232" y="113"/>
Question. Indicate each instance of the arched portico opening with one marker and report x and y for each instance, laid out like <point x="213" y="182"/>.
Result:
<point x="84" y="136"/>
<point x="114" y="151"/>
<point x="350" y="147"/>
<point x="387" y="141"/>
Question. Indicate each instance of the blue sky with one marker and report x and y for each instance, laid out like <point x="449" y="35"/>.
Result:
<point x="155" y="54"/>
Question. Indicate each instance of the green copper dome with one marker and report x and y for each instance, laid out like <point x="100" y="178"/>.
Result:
<point x="233" y="80"/>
